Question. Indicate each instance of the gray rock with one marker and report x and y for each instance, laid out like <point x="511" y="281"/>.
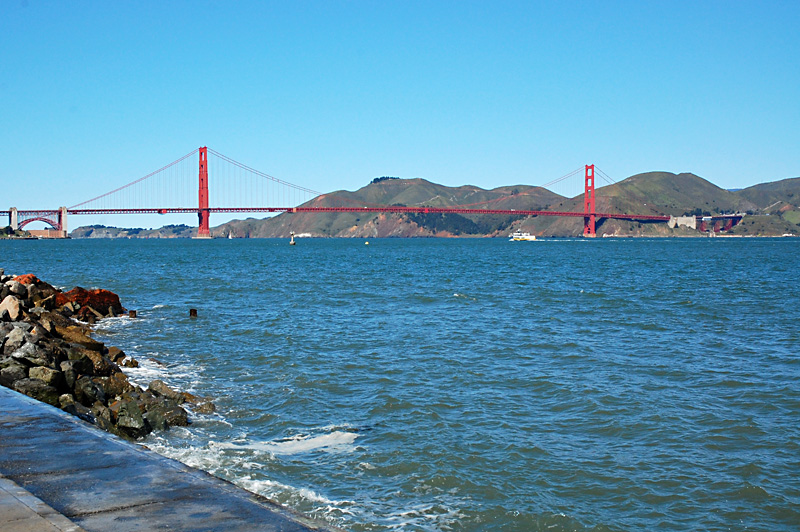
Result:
<point x="33" y="355"/>
<point x="130" y="419"/>
<point x="12" y="305"/>
<point x="51" y="377"/>
<point x="38" y="333"/>
<point x="70" y="373"/>
<point x="102" y="412"/>
<point x="12" y="372"/>
<point x="78" y="410"/>
<point x="14" y="340"/>
<point x="88" y="392"/>
<point x="17" y="288"/>
<point x="64" y="400"/>
<point x="80" y="361"/>
<point x="160" y="389"/>
<point x="38" y="390"/>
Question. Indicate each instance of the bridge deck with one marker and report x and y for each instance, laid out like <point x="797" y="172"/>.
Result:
<point x="103" y="483"/>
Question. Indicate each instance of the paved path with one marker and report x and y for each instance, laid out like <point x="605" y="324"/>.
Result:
<point x="21" y="511"/>
<point x="58" y="473"/>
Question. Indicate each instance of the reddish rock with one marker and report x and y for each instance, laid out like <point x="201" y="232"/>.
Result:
<point x="28" y="278"/>
<point x="97" y="299"/>
<point x="44" y="288"/>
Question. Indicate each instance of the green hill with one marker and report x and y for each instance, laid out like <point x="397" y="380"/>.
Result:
<point x="403" y="192"/>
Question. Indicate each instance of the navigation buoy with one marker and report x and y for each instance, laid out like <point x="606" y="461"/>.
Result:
<point x="291" y="241"/>
<point x="366" y="243"/>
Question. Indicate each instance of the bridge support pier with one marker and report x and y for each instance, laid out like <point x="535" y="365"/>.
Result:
<point x="62" y="220"/>
<point x="13" y="218"/>
<point x="589" y="204"/>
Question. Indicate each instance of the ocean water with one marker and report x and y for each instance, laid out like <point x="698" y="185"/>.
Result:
<point x="472" y="384"/>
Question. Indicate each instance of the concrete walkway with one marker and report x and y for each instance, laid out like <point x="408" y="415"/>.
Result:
<point x="21" y="511"/>
<point x="61" y="474"/>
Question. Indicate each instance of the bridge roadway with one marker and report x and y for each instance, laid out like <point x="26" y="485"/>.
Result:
<point x="58" y="473"/>
<point x="371" y="208"/>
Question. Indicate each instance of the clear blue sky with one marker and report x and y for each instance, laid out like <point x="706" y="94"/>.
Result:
<point x="330" y="94"/>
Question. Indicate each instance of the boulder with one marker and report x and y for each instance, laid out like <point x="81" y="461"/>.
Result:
<point x="38" y="390"/>
<point x="64" y="400"/>
<point x="48" y="303"/>
<point x="101" y="411"/>
<point x="17" y="288"/>
<point x="115" y="354"/>
<point x="160" y="389"/>
<point x="12" y="371"/>
<point x="70" y="373"/>
<point x="78" y="410"/>
<point x="79" y="361"/>
<point x="166" y="414"/>
<point x="88" y="392"/>
<point x="101" y="365"/>
<point x="11" y="304"/>
<point x="76" y="335"/>
<point x="51" y="377"/>
<point x="39" y="333"/>
<point x="56" y="319"/>
<point x="97" y="298"/>
<point x="115" y="385"/>
<point x="33" y="355"/>
<point x="14" y="340"/>
<point x="130" y="363"/>
<point x="130" y="419"/>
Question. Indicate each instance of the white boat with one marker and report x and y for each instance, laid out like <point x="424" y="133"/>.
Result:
<point x="519" y="236"/>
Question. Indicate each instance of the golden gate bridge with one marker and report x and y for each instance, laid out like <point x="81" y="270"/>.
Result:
<point x="247" y="190"/>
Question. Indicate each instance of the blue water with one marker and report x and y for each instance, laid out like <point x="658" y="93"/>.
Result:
<point x="472" y="384"/>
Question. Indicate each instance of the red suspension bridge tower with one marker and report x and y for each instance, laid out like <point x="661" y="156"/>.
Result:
<point x="203" y="231"/>
<point x="589" y="212"/>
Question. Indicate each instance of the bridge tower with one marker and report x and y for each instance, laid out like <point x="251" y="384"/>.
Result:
<point x="13" y="218"/>
<point x="202" y="208"/>
<point x="62" y="220"/>
<point x="588" y="203"/>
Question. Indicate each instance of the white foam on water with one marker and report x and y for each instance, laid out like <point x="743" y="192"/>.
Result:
<point x="425" y="517"/>
<point x="158" y="306"/>
<point x="332" y="442"/>
<point x="110" y="325"/>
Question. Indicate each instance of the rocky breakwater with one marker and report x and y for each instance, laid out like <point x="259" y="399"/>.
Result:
<point x="46" y="352"/>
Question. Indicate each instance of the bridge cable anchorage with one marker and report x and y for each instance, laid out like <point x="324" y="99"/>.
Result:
<point x="151" y="174"/>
